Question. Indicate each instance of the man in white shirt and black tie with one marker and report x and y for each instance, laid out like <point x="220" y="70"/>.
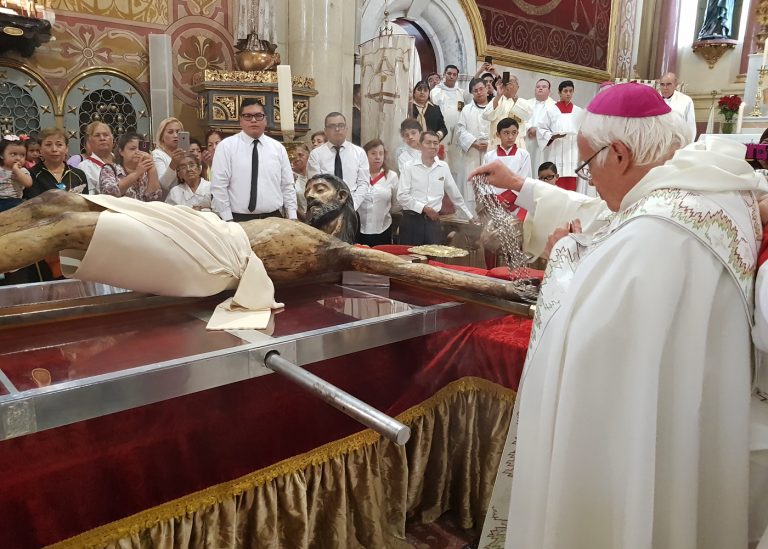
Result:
<point x="423" y="183"/>
<point x="251" y="176"/>
<point x="341" y="158"/>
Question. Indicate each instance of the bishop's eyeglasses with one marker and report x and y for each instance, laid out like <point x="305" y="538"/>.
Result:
<point x="583" y="170"/>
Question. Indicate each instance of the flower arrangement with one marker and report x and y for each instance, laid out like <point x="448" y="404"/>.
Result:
<point x="728" y="106"/>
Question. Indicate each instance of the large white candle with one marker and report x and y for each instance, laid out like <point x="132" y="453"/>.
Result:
<point x="285" y="93"/>
<point x="765" y="54"/>
<point x="740" y="119"/>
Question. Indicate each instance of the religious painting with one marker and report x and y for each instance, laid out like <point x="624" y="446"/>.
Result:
<point x="571" y="38"/>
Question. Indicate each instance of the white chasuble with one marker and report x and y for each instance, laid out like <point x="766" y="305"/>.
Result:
<point x="631" y="428"/>
<point x="471" y="127"/>
<point x="520" y="110"/>
<point x="564" y="152"/>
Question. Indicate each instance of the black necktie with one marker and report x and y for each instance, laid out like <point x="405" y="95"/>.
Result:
<point x="254" y="175"/>
<point x="337" y="171"/>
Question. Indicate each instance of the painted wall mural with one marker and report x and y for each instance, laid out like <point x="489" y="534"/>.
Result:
<point x="570" y="31"/>
<point x="113" y="35"/>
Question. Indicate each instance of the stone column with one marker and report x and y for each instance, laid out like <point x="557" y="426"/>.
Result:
<point x="666" y="37"/>
<point x="321" y="44"/>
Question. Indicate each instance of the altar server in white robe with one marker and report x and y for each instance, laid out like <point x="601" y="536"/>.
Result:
<point x="678" y="101"/>
<point x="506" y="104"/>
<point x="472" y="137"/>
<point x="631" y="427"/>
<point x="451" y="99"/>
<point x="557" y="137"/>
<point x="539" y="105"/>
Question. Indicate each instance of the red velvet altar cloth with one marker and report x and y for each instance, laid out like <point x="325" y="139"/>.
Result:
<point x="573" y="31"/>
<point x="61" y="482"/>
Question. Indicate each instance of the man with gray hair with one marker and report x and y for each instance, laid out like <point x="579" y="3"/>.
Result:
<point x="506" y="104"/>
<point x="631" y="426"/>
<point x="678" y="101"/>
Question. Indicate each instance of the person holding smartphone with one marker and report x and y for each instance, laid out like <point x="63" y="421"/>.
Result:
<point x="168" y="154"/>
<point x="134" y="173"/>
<point x="507" y="104"/>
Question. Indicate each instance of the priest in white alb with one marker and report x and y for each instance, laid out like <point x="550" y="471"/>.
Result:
<point x="506" y="104"/>
<point x="631" y="426"/>
<point x="556" y="133"/>
<point x="678" y="101"/>
<point x="539" y="105"/>
<point x="450" y="97"/>
<point x="472" y="137"/>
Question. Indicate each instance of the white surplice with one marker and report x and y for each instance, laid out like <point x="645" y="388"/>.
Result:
<point x="631" y="427"/>
<point x="683" y="105"/>
<point x="539" y="108"/>
<point x="471" y="127"/>
<point x="564" y="152"/>
<point x="451" y="101"/>
<point x="520" y="110"/>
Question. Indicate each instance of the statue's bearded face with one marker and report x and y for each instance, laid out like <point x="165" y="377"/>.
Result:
<point x="324" y="202"/>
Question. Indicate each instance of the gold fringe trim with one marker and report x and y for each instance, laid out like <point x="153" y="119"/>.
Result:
<point x="215" y="495"/>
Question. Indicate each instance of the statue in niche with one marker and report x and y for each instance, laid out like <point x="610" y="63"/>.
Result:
<point x="718" y="20"/>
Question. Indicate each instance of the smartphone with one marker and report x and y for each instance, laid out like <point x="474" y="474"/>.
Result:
<point x="756" y="152"/>
<point x="505" y="77"/>
<point x="488" y="59"/>
<point x="184" y="141"/>
<point x="144" y="146"/>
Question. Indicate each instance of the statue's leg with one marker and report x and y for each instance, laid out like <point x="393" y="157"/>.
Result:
<point x="26" y="245"/>
<point x="47" y="205"/>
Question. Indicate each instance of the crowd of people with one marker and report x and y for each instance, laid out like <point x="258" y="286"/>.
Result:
<point x="450" y="132"/>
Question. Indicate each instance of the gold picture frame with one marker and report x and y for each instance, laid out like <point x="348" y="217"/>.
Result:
<point x="537" y="63"/>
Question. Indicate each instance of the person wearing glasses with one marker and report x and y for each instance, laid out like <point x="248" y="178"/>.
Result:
<point x="192" y="191"/>
<point x="632" y="424"/>
<point x="251" y="176"/>
<point x="341" y="158"/>
<point x="548" y="173"/>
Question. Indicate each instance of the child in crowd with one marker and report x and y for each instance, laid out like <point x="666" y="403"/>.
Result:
<point x="33" y="153"/>
<point x="318" y="138"/>
<point x="548" y="173"/>
<point x="423" y="184"/>
<point x="14" y="177"/>
<point x="410" y="132"/>
<point x="517" y="160"/>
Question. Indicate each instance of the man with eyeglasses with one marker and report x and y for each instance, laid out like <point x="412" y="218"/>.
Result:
<point x="251" y="177"/>
<point x="341" y="158"/>
<point x="678" y="101"/>
<point x="632" y="420"/>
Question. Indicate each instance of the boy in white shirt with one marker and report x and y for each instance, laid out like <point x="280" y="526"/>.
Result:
<point x="410" y="131"/>
<point x="517" y="160"/>
<point x="423" y="183"/>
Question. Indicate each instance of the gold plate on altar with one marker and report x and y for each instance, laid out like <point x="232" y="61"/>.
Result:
<point x="436" y="250"/>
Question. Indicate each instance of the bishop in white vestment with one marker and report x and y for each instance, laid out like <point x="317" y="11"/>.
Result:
<point x="631" y="427"/>
<point x="472" y="136"/>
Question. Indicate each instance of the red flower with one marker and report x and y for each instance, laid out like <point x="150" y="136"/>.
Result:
<point x="729" y="105"/>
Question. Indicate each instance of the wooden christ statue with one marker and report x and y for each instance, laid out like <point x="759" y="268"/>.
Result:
<point x="169" y="250"/>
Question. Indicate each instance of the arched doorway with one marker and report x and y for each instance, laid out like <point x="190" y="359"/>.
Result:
<point x="427" y="57"/>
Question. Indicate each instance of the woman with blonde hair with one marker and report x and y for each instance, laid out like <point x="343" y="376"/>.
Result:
<point x="167" y="154"/>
